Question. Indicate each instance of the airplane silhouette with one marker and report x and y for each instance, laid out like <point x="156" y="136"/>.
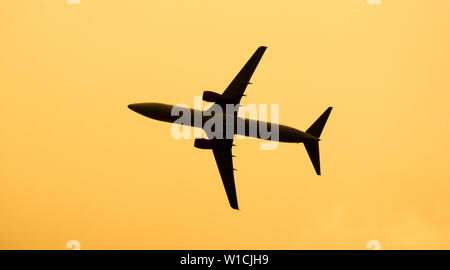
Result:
<point x="222" y="147"/>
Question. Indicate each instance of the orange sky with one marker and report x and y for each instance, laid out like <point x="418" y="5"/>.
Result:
<point x="76" y="163"/>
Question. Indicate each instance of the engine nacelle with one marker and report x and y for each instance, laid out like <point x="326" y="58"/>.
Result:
<point x="203" y="143"/>
<point x="210" y="144"/>
<point x="210" y="96"/>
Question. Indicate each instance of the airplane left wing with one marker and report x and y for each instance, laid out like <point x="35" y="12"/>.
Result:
<point x="224" y="160"/>
<point x="236" y="89"/>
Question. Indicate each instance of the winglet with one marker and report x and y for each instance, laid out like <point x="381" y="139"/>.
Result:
<point x="235" y="207"/>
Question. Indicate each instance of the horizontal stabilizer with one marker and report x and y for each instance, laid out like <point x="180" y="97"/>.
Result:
<point x="316" y="128"/>
<point x="313" y="151"/>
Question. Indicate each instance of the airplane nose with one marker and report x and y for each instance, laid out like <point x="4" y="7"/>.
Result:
<point x="147" y="109"/>
<point x="133" y="107"/>
<point x="142" y="108"/>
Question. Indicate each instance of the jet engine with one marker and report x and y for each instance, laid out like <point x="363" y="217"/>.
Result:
<point x="210" y="96"/>
<point x="214" y="143"/>
<point x="203" y="143"/>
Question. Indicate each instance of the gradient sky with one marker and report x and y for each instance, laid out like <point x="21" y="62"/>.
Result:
<point x="76" y="163"/>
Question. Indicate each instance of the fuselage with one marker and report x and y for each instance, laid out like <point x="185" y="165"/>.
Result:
<point x="244" y="127"/>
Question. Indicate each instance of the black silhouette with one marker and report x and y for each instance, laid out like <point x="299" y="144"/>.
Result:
<point x="221" y="147"/>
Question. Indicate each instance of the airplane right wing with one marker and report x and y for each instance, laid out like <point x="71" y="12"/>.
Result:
<point x="224" y="160"/>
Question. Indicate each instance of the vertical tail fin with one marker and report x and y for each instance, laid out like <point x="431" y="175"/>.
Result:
<point x="313" y="147"/>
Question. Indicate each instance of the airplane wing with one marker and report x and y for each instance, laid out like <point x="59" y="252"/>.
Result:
<point x="224" y="160"/>
<point x="222" y="153"/>
<point x="235" y="90"/>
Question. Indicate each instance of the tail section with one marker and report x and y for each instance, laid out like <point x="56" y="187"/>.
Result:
<point x="316" y="128"/>
<point x="313" y="151"/>
<point x="313" y="147"/>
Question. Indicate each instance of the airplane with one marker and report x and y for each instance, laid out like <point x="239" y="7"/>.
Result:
<point x="222" y="148"/>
